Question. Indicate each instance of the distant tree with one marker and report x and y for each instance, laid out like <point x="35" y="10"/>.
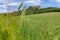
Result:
<point x="34" y="7"/>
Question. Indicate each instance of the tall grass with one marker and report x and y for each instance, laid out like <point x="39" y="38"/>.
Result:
<point x="15" y="35"/>
<point x="12" y="29"/>
<point x="38" y="27"/>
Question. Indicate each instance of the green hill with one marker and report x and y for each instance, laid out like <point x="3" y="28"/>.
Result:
<point x="35" y="10"/>
<point x="44" y="26"/>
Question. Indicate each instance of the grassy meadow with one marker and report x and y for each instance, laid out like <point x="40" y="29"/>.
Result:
<point x="45" y="26"/>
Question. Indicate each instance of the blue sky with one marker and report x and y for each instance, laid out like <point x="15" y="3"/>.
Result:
<point x="12" y="5"/>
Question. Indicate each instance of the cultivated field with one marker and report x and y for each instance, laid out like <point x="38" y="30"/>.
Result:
<point x="45" y="26"/>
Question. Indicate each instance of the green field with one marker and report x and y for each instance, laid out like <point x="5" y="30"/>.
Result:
<point x="45" y="26"/>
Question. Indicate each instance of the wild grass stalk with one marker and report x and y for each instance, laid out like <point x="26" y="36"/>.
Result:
<point x="20" y="20"/>
<point x="9" y="26"/>
<point x="36" y="27"/>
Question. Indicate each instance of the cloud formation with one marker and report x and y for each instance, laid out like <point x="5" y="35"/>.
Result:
<point x="3" y="11"/>
<point x="33" y="2"/>
<point x="44" y="3"/>
<point x="6" y="5"/>
<point x="57" y="0"/>
<point x="13" y="4"/>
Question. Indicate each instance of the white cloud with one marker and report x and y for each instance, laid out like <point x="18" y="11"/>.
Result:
<point x="5" y="6"/>
<point x="1" y="0"/>
<point x="2" y="6"/>
<point x="8" y="3"/>
<point x="3" y="11"/>
<point x="47" y="5"/>
<point x="33" y="2"/>
<point x="13" y="4"/>
<point x="55" y="0"/>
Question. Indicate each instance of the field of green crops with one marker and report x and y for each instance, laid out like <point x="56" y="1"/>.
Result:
<point x="45" y="26"/>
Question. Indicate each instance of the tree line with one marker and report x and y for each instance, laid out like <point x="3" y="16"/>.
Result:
<point x="36" y="10"/>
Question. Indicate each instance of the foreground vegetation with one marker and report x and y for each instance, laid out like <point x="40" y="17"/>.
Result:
<point x="32" y="27"/>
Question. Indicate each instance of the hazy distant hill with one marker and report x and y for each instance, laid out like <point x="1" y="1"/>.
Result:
<point x="36" y="10"/>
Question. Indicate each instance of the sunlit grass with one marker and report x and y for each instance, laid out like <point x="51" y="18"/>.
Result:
<point x="32" y="27"/>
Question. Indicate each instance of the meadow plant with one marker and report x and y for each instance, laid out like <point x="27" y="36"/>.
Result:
<point x="30" y="27"/>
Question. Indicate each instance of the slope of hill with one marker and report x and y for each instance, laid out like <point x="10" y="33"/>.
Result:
<point x="34" y="27"/>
